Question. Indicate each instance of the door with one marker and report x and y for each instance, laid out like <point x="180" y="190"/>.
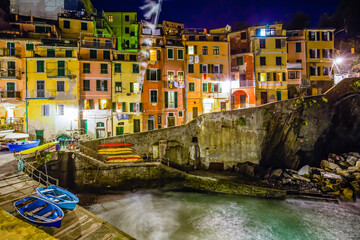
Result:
<point x="171" y="121"/>
<point x="150" y="124"/>
<point x="61" y="68"/>
<point x="314" y="91"/>
<point x="10" y="89"/>
<point x="195" y="112"/>
<point x="40" y="89"/>
<point x="83" y="126"/>
<point x="136" y="125"/>
<point x="223" y="106"/>
<point x="40" y="135"/>
<point x="11" y="68"/>
<point x="278" y="95"/>
<point x="11" y="47"/>
<point x="263" y="96"/>
<point x="119" y="131"/>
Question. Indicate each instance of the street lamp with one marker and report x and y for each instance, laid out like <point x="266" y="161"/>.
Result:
<point x="339" y="60"/>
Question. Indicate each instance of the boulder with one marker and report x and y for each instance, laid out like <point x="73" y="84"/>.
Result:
<point x="343" y="164"/>
<point x="331" y="176"/>
<point x="246" y="168"/>
<point x="316" y="170"/>
<point x="344" y="173"/>
<point x="351" y="160"/>
<point x="316" y="177"/>
<point x="355" y="154"/>
<point x="328" y="165"/>
<point x="301" y="178"/>
<point x="347" y="195"/>
<point x="286" y="175"/>
<point x="356" y="176"/>
<point x="276" y="173"/>
<point x="357" y="165"/>
<point x="305" y="171"/>
<point x="356" y="186"/>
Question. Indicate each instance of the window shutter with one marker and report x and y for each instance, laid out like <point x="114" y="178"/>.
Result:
<point x="140" y="107"/>
<point x="158" y="74"/>
<point x="283" y="76"/>
<point x="113" y="107"/>
<point x="176" y="100"/>
<point x="201" y="68"/>
<point x="318" y="53"/>
<point x="98" y="84"/>
<point x="309" y="36"/>
<point x="124" y="106"/>
<point x="186" y="49"/>
<point x="318" y="71"/>
<point x="211" y="68"/>
<point x="131" y="87"/>
<point x="331" y="53"/>
<point x="274" y="76"/>
<point x="166" y="99"/>
<point x="323" y="53"/>
<point x="212" y="87"/>
<point x="158" y="55"/>
<point x="131" y="107"/>
<point x="147" y="74"/>
<point x="220" y="87"/>
<point x="267" y="76"/>
<point x="221" y="68"/>
<point x="195" y="49"/>
<point x="317" y="36"/>
<point x="322" y="36"/>
<point x="330" y="36"/>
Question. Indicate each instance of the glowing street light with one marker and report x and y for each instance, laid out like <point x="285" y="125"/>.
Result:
<point x="339" y="60"/>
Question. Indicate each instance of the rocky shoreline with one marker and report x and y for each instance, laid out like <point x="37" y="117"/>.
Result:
<point x="336" y="177"/>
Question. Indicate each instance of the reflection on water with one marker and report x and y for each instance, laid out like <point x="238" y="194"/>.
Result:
<point x="183" y="216"/>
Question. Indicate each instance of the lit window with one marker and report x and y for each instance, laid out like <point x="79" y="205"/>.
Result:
<point x="153" y="56"/>
<point x="191" y="50"/>
<point x="103" y="104"/>
<point x="263" y="32"/>
<point x="60" y="109"/>
<point x="111" y="19"/>
<point x="171" y="76"/>
<point x="136" y="87"/>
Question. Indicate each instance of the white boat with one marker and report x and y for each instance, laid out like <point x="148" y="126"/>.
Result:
<point x="5" y="132"/>
<point x="16" y="136"/>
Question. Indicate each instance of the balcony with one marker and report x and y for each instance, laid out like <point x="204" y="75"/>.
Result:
<point x="98" y="45"/>
<point x="10" y="74"/>
<point x="59" y="73"/>
<point x="14" y="122"/>
<point x="295" y="66"/>
<point x="59" y="43"/>
<point x="247" y="83"/>
<point x="5" y="52"/>
<point x="10" y="94"/>
<point x="41" y="93"/>
<point x="174" y="42"/>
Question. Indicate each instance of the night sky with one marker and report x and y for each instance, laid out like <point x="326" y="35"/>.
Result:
<point x="218" y="13"/>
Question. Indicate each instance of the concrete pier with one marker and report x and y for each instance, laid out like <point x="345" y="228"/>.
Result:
<point x="76" y="224"/>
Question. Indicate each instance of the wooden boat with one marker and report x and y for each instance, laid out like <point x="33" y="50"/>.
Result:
<point x="115" y="150"/>
<point x="19" y="146"/>
<point x="119" y="157"/>
<point x="115" y="145"/>
<point x="58" y="196"/>
<point x="3" y="133"/>
<point x="14" y="136"/>
<point x="116" y="153"/>
<point x="39" y="211"/>
<point x="39" y="148"/>
<point x="123" y="160"/>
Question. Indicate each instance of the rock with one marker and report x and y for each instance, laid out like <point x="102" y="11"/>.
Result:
<point x="351" y="160"/>
<point x="286" y="175"/>
<point x="316" y="177"/>
<point x="286" y="181"/>
<point x="246" y="168"/>
<point x="316" y="170"/>
<point x="344" y="173"/>
<point x="352" y="169"/>
<point x="337" y="193"/>
<point x="332" y="176"/>
<point x="305" y="171"/>
<point x="347" y="195"/>
<point x="356" y="176"/>
<point x="357" y="165"/>
<point x="301" y="178"/>
<point x="355" y="154"/>
<point x="343" y="164"/>
<point x="328" y="165"/>
<point x="355" y="186"/>
<point x="276" y="173"/>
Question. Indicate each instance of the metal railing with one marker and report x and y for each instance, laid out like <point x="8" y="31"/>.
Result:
<point x="96" y="44"/>
<point x="58" y="72"/>
<point x="10" y="73"/>
<point x="9" y="52"/>
<point x="38" y="175"/>
<point x="247" y="83"/>
<point x="10" y="94"/>
<point x="41" y="93"/>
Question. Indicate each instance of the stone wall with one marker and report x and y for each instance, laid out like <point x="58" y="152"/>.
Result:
<point x="283" y="134"/>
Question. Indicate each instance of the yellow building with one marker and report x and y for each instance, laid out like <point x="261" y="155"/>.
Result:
<point x="268" y="43"/>
<point x="72" y="25"/>
<point x="207" y="72"/>
<point x="319" y="59"/>
<point x="52" y="89"/>
<point x="126" y="94"/>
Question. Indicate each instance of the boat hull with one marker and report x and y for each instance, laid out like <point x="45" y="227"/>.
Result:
<point x="39" y="148"/>
<point x="115" y="145"/>
<point x="20" y="146"/>
<point x="58" y="196"/>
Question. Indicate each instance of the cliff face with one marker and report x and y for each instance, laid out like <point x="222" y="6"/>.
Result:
<point x="285" y="134"/>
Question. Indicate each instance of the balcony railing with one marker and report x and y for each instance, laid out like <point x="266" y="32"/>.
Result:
<point x="10" y="94"/>
<point x="6" y="52"/>
<point x="10" y="73"/>
<point x="247" y="83"/>
<point x="41" y="93"/>
<point x="58" y="72"/>
<point x="294" y="65"/>
<point x="100" y="45"/>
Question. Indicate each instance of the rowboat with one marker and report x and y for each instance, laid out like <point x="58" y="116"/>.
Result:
<point x="123" y="157"/>
<point x="39" y="211"/>
<point x="123" y="160"/>
<point x="115" y="145"/>
<point x="39" y="148"/>
<point x="5" y="132"/>
<point x="14" y="136"/>
<point x="115" y="150"/>
<point x="58" y="196"/>
<point x="116" y="153"/>
<point x="19" y="146"/>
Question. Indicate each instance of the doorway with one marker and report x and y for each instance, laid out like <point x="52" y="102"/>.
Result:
<point x="40" y="135"/>
<point x="136" y="125"/>
<point x="195" y="112"/>
<point x="171" y="121"/>
<point x="263" y="96"/>
<point x="223" y="106"/>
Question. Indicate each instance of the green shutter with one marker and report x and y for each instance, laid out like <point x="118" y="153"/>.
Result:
<point x="131" y="87"/>
<point x="283" y="77"/>
<point x="176" y="100"/>
<point x="221" y="68"/>
<point x="113" y="107"/>
<point x="220" y="87"/>
<point x="158" y="55"/>
<point x="124" y="106"/>
<point x="140" y="107"/>
<point x="158" y="74"/>
<point x="98" y="85"/>
<point x="195" y="49"/>
<point x="131" y="107"/>
<point x="166" y="99"/>
<point x="212" y="87"/>
<point x="200" y="68"/>
<point x="147" y="74"/>
<point x="204" y="87"/>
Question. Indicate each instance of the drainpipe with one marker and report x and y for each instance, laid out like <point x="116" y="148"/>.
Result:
<point x="185" y="82"/>
<point x="163" y="82"/>
<point x="111" y="94"/>
<point x="26" y="103"/>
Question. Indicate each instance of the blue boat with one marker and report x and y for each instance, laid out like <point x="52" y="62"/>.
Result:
<point x="20" y="146"/>
<point x="39" y="211"/>
<point x="58" y="196"/>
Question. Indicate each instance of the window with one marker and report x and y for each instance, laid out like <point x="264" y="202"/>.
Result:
<point x="293" y="75"/>
<point x="153" y="96"/>
<point x="127" y="30"/>
<point x="88" y="104"/>
<point x="135" y="107"/>
<point x="170" y="53"/>
<point x="240" y="60"/>
<point x="118" y="67"/>
<point x="216" y="87"/>
<point x="67" y="24"/>
<point x="298" y="47"/>
<point x="205" y="50"/>
<point x="180" y="54"/>
<point x="153" y="74"/>
<point x="191" y="49"/>
<point x="205" y="87"/>
<point x="120" y="107"/>
<point x="106" y="54"/>
<point x="84" y="26"/>
<point x="242" y="77"/>
<point x="29" y="47"/>
<point x="298" y="60"/>
<point x="93" y="53"/>
<point x="278" y="61"/>
<point x="68" y="53"/>
<point x="51" y="52"/>
<point x="127" y="18"/>
<point x="104" y="68"/>
<point x="181" y="114"/>
<point x="314" y="53"/>
<point x="132" y="57"/>
<point x="46" y="110"/>
<point x="242" y="98"/>
<point x="314" y="36"/>
<point x="60" y="109"/>
<point x="314" y="71"/>
<point x="243" y="35"/>
<point x="121" y="57"/>
<point x="86" y="67"/>
<point x="327" y="53"/>
<point x="86" y="85"/>
<point x="216" y="69"/>
<point x="216" y="50"/>
<point x="40" y="66"/>
<point x="180" y="76"/>
<point x="191" y="68"/>
<point x="110" y="18"/>
<point x="191" y="87"/>
<point x="203" y="68"/>
<point x="191" y="38"/>
<point x="135" y="68"/>
<point x="262" y="61"/>
<point x="150" y="124"/>
<point x="326" y="71"/>
<point x="277" y="43"/>
<point x="216" y="38"/>
<point x="118" y="87"/>
<point x="262" y="43"/>
<point x="60" y="86"/>
<point x="202" y="38"/>
<point x="101" y="85"/>
<point x="171" y="100"/>
<point x="103" y="104"/>
<point x="170" y="76"/>
<point x="131" y="87"/>
<point x="326" y="36"/>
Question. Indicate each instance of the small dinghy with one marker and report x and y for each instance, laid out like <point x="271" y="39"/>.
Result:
<point x="3" y="133"/>
<point x="58" y="196"/>
<point x="39" y="211"/>
<point x="20" y="146"/>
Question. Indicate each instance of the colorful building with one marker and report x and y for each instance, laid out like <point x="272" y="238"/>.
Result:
<point x="268" y="43"/>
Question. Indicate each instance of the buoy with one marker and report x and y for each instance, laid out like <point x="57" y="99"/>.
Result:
<point x="71" y="147"/>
